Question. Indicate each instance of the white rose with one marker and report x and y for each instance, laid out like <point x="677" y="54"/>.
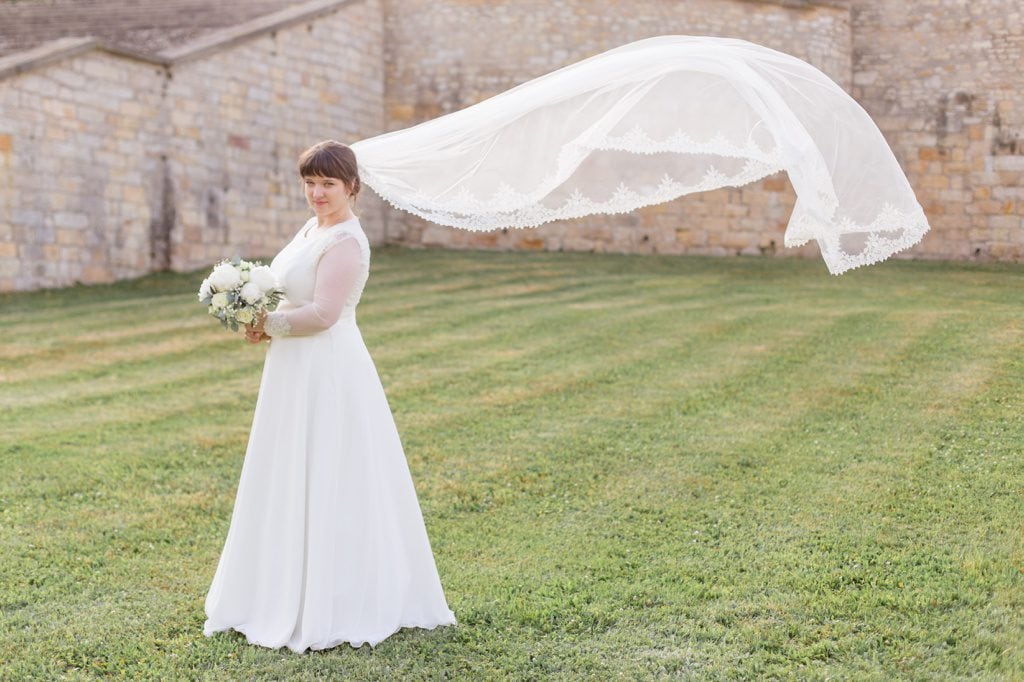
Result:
<point x="224" y="277"/>
<point x="264" y="278"/>
<point x="251" y="293"/>
<point x="204" y="289"/>
<point x="220" y="300"/>
<point x="244" y="315"/>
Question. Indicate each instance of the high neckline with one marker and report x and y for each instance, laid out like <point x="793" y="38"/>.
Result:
<point x="307" y="231"/>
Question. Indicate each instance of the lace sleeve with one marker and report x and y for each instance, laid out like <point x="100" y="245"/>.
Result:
<point x="336" y="275"/>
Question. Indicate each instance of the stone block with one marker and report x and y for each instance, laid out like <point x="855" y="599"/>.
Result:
<point x="1008" y="163"/>
<point x="934" y="182"/>
<point x="65" y="237"/>
<point x="531" y="243"/>
<point x="1011" y="221"/>
<point x="1004" y="251"/>
<point x="487" y="240"/>
<point x="96" y="274"/>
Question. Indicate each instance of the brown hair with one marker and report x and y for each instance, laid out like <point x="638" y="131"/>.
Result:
<point x="332" y="159"/>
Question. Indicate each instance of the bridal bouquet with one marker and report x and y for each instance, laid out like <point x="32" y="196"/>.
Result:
<point x="238" y="290"/>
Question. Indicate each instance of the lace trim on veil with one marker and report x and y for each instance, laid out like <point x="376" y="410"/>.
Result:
<point x="508" y="208"/>
<point x="892" y="230"/>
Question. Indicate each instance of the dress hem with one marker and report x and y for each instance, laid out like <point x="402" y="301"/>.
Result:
<point x="354" y="642"/>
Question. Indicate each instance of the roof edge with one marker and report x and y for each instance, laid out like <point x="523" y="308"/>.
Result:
<point x="65" y="48"/>
<point x="232" y="35"/>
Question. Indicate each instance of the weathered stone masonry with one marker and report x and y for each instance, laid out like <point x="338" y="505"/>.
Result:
<point x="506" y="42"/>
<point x="114" y="164"/>
<point x="944" y="80"/>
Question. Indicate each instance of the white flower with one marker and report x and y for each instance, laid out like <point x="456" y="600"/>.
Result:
<point x="244" y="315"/>
<point x="204" y="289"/>
<point x="251" y="293"/>
<point x="264" y="278"/>
<point x="245" y="275"/>
<point x="220" y="300"/>
<point x="224" y="277"/>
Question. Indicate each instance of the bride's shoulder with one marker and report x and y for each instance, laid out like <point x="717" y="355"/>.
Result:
<point x="353" y="226"/>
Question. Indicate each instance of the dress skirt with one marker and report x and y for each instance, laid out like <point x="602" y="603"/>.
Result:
<point x="327" y="542"/>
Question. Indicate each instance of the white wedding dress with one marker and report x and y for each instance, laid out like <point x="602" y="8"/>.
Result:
<point x="327" y="542"/>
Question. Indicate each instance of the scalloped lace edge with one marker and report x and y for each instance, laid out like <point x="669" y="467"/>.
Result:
<point x="906" y="228"/>
<point x="577" y="205"/>
<point x="523" y="210"/>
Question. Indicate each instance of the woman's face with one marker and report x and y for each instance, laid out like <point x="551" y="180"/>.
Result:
<point x="326" y="196"/>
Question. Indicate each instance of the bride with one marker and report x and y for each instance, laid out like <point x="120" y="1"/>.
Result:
<point x="327" y="542"/>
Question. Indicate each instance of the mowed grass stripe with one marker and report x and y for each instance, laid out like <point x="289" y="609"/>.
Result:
<point x="117" y="358"/>
<point x="83" y="413"/>
<point x="628" y="467"/>
<point x="92" y="315"/>
<point x="109" y="383"/>
<point x="57" y="343"/>
<point x="585" y="400"/>
<point x="750" y="431"/>
<point x="660" y="540"/>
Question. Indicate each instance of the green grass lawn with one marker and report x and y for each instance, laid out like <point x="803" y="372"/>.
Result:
<point x="629" y="467"/>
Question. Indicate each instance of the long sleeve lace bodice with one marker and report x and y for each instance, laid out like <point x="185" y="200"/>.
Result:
<point x="323" y="276"/>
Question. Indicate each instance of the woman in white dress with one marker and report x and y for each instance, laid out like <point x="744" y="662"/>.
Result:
<point x="327" y="542"/>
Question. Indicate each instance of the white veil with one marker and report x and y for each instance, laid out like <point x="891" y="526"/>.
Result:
<point x="648" y="122"/>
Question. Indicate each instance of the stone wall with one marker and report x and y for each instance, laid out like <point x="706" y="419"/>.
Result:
<point x="239" y="118"/>
<point x="80" y="145"/>
<point x="114" y="165"/>
<point x="505" y="42"/>
<point x="944" y="80"/>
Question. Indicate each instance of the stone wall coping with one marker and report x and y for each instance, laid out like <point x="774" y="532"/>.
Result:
<point x="232" y="35"/>
<point x="57" y="50"/>
<point x="65" y="48"/>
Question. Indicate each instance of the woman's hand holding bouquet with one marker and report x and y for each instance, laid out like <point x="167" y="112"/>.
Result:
<point x="239" y="292"/>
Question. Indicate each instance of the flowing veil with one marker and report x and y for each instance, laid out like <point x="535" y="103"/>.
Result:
<point x="648" y="122"/>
